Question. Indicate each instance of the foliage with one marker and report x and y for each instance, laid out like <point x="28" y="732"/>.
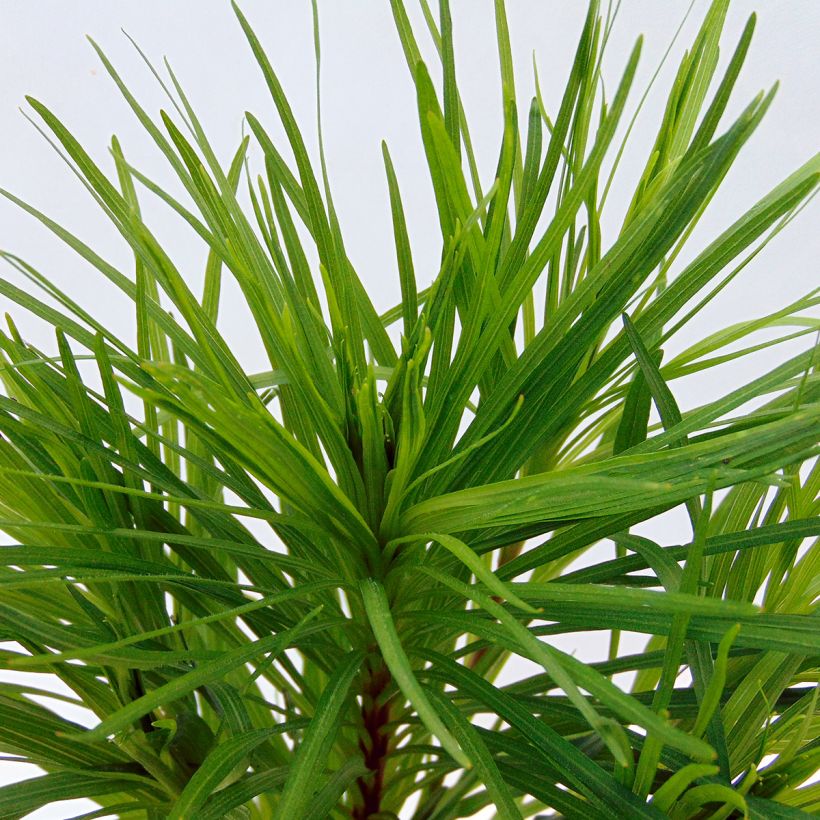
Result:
<point x="340" y="655"/>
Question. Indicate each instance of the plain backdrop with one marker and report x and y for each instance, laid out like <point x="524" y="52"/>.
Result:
<point x="367" y="96"/>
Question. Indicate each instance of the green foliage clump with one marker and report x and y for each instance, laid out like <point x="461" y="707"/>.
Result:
<point x="417" y="502"/>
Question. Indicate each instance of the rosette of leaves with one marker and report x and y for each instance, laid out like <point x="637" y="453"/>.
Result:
<point x="291" y="593"/>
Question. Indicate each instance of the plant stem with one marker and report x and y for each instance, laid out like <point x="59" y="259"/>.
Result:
<point x="375" y="743"/>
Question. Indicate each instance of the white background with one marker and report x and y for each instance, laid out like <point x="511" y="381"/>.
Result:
<point x="368" y="96"/>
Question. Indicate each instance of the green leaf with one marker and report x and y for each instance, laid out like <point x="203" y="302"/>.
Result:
<point x="572" y="675"/>
<point x="618" y="485"/>
<point x="380" y="617"/>
<point x="20" y="799"/>
<point x="220" y="763"/>
<point x="665" y="797"/>
<point x="404" y="258"/>
<point x="716" y="684"/>
<point x="329" y="795"/>
<point x="484" y="765"/>
<point x="308" y="764"/>
<point x="201" y="676"/>
<point x="241" y="792"/>
<point x="582" y="774"/>
<point x="467" y="557"/>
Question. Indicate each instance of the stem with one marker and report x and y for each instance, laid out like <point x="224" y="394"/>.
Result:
<point x="375" y="743"/>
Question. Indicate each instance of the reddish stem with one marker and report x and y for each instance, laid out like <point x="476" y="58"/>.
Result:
<point x="374" y="745"/>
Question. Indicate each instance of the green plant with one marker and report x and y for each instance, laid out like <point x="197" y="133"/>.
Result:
<point x="339" y="657"/>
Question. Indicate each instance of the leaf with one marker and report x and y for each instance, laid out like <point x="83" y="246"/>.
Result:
<point x="309" y="760"/>
<point x="221" y="762"/>
<point x="329" y="795"/>
<point x="485" y="767"/>
<point x="699" y="796"/>
<point x="381" y="621"/>
<point x="467" y="557"/>
<point x="19" y="799"/>
<point x="617" y="485"/>
<point x="244" y="790"/>
<point x="665" y="797"/>
<point x="582" y="774"/>
<point x="632" y="428"/>
<point x="714" y="688"/>
<point x="201" y="676"/>
<point x="572" y="675"/>
<point x="404" y="258"/>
